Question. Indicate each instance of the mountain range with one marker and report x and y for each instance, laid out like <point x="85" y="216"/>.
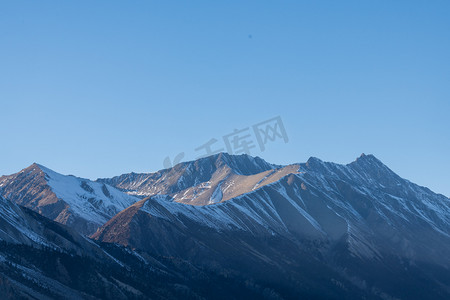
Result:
<point x="225" y="226"/>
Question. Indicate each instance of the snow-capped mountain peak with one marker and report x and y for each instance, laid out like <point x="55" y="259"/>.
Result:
<point x="67" y="199"/>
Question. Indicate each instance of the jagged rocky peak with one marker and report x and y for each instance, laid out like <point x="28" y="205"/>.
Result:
<point x="34" y="166"/>
<point x="33" y="169"/>
<point x="314" y="161"/>
<point x="368" y="159"/>
<point x="243" y="164"/>
<point x="315" y="164"/>
<point x="208" y="171"/>
<point x="370" y="165"/>
<point x="16" y="186"/>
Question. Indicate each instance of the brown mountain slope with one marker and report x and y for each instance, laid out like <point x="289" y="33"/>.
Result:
<point x="205" y="181"/>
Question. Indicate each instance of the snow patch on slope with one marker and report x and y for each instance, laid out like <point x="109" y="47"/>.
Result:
<point x="93" y="201"/>
<point x="217" y="195"/>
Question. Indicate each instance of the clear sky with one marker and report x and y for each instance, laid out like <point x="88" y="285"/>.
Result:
<point x="100" y="88"/>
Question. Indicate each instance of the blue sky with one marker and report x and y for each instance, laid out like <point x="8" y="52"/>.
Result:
<point x="100" y="89"/>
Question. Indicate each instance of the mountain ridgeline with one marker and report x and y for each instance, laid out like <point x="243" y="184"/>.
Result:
<point x="228" y="227"/>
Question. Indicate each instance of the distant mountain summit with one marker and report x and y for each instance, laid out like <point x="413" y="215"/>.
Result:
<point x="193" y="182"/>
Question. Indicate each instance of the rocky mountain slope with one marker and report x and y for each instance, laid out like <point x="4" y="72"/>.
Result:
<point x="205" y="181"/>
<point x="80" y="203"/>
